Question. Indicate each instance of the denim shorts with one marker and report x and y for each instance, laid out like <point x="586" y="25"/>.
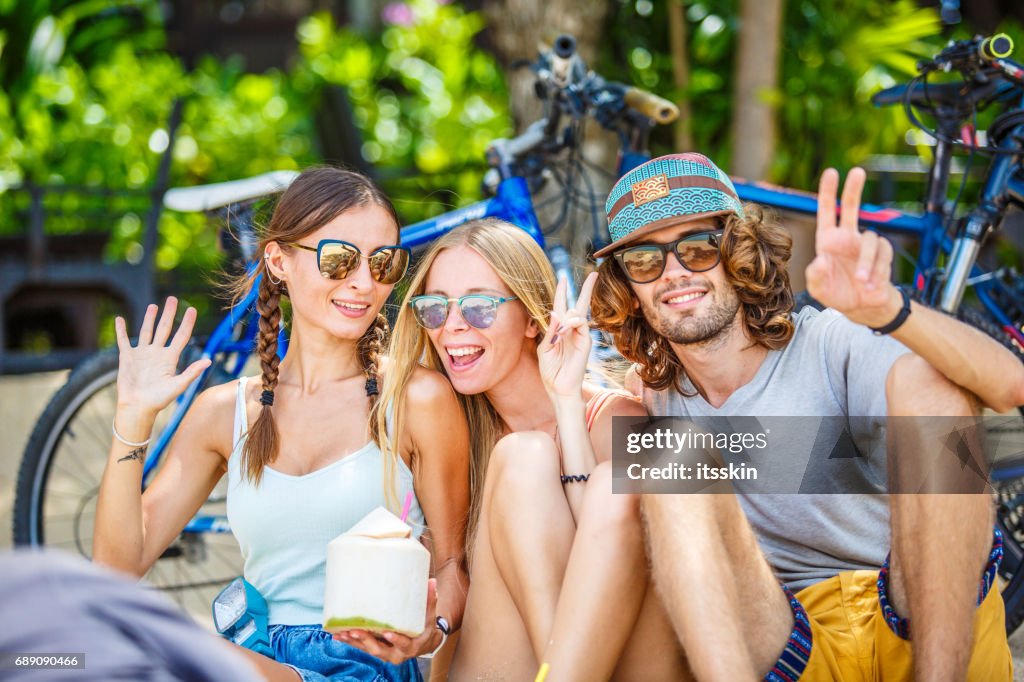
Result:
<point x="317" y="657"/>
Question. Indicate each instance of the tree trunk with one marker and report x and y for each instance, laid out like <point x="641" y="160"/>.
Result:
<point x="757" y="77"/>
<point x="680" y="73"/>
<point x="518" y="28"/>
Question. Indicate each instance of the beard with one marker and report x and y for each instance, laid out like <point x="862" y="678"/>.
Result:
<point x="696" y="327"/>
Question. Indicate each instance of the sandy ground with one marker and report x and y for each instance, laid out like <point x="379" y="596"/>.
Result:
<point x="22" y="399"/>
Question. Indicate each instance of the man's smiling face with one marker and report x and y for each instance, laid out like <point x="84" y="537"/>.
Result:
<point x="687" y="307"/>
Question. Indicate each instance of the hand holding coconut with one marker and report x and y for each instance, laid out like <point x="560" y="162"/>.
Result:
<point x="378" y="595"/>
<point x="395" y="647"/>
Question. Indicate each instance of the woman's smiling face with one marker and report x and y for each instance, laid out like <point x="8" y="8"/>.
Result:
<point x="476" y="360"/>
<point x="345" y="308"/>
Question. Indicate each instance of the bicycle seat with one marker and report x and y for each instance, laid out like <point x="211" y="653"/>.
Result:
<point x="219" y="194"/>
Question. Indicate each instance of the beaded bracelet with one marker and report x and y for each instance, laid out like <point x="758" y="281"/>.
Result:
<point x="575" y="478"/>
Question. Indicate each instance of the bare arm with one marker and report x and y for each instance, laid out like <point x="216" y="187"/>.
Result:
<point x="851" y="273"/>
<point x="562" y="357"/>
<point x="964" y="355"/>
<point x="437" y="432"/>
<point x="133" y="529"/>
<point x="441" y="471"/>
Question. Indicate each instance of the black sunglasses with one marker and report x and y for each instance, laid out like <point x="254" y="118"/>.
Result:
<point x="337" y="259"/>
<point x="697" y="252"/>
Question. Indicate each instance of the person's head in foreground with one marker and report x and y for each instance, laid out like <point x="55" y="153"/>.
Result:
<point x="327" y="222"/>
<point x="476" y="310"/>
<point x="689" y="265"/>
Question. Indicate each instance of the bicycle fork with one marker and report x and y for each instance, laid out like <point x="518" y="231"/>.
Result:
<point x="978" y="224"/>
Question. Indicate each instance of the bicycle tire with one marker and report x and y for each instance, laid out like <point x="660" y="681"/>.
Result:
<point x="979" y="319"/>
<point x="59" y="479"/>
<point x="1010" y="509"/>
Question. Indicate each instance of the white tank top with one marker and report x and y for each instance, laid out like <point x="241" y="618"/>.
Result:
<point x="283" y="526"/>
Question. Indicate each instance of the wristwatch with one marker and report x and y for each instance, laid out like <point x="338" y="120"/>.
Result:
<point x="442" y="625"/>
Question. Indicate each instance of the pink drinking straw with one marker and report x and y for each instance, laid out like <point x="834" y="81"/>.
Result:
<point x="407" y="506"/>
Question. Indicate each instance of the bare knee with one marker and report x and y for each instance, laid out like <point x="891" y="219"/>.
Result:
<point x="914" y="387"/>
<point x="521" y="461"/>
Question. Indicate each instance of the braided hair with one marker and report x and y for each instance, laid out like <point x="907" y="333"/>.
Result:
<point x="316" y="197"/>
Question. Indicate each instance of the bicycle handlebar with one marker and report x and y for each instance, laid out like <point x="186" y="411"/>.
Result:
<point x="564" y="81"/>
<point x="650" y="105"/>
<point x="999" y="46"/>
<point x="971" y="55"/>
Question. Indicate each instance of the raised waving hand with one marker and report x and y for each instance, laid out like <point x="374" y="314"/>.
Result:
<point x="147" y="376"/>
<point x="564" y="352"/>
<point x="851" y="269"/>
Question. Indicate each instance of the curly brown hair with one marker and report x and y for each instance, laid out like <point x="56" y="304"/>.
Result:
<point x="755" y="253"/>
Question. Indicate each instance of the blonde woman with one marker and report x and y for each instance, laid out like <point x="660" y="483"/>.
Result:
<point x="550" y="559"/>
<point x="299" y="444"/>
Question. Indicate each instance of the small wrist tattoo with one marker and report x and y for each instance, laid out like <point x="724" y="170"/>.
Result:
<point x="135" y="454"/>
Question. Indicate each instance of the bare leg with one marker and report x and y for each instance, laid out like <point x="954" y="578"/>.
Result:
<point x="605" y="607"/>
<point x="519" y="557"/>
<point x="726" y="606"/>
<point x="940" y="543"/>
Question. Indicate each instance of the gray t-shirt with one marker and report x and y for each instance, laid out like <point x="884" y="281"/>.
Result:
<point x="831" y="368"/>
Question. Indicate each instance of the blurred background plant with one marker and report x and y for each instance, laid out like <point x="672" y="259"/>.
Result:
<point x="411" y="92"/>
<point x="425" y="107"/>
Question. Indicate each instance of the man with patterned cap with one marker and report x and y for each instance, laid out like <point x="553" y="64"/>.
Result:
<point x="696" y="294"/>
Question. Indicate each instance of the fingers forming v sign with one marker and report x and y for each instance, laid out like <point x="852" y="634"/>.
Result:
<point x="851" y="269"/>
<point x="148" y="378"/>
<point x="564" y="352"/>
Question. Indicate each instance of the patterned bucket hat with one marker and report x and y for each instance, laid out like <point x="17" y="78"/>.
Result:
<point x="667" y="191"/>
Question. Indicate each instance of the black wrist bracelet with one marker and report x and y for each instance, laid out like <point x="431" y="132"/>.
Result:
<point x="900" y="318"/>
<point x="575" y="478"/>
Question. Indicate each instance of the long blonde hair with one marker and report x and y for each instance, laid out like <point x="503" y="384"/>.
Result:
<point x="522" y="266"/>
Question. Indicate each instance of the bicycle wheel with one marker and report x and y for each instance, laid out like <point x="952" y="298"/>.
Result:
<point x="59" y="479"/>
<point x="1008" y="481"/>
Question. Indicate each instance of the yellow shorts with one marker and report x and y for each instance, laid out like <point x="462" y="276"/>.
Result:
<point x="851" y="639"/>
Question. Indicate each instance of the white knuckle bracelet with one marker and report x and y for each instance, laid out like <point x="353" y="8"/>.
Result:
<point x="125" y="441"/>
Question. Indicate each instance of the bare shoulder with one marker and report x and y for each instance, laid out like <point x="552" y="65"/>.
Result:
<point x="623" y="405"/>
<point x="619" y="404"/>
<point x="428" y="388"/>
<point x="632" y="382"/>
<point x="210" y="419"/>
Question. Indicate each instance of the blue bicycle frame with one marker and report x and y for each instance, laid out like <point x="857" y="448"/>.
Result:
<point x="928" y="227"/>
<point x="513" y="202"/>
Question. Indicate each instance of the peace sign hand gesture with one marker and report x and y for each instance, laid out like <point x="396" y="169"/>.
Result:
<point x="147" y="376"/>
<point x="851" y="270"/>
<point x="564" y="352"/>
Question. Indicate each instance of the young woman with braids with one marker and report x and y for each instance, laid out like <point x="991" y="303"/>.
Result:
<point x="301" y="445"/>
<point x="484" y="309"/>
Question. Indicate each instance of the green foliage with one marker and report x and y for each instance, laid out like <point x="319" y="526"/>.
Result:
<point x="422" y="103"/>
<point x="98" y="118"/>
<point x="835" y="55"/>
